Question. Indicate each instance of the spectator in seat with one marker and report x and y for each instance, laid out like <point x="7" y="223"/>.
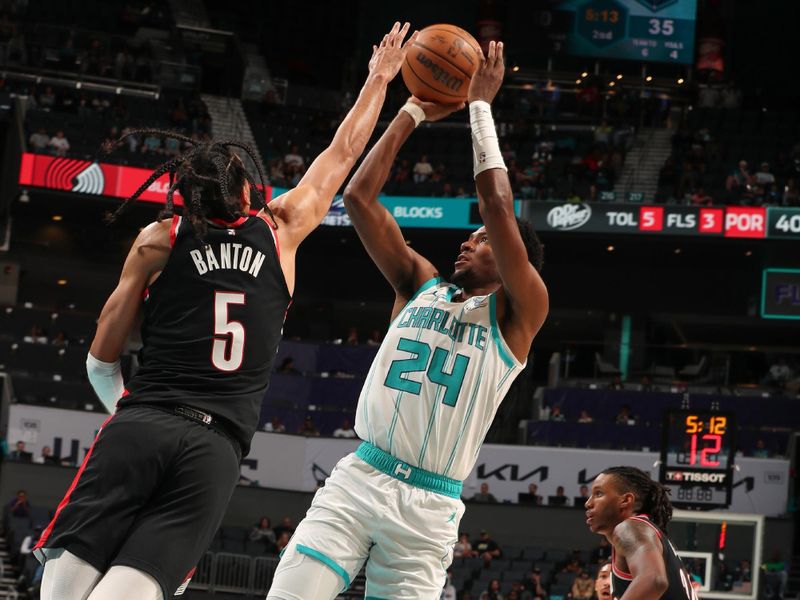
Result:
<point x="624" y="416"/>
<point x="601" y="553"/>
<point x="36" y="336"/>
<point x="486" y="548"/>
<point x="47" y="99"/>
<point x="275" y="426"/>
<point x="493" y="591"/>
<point x="287" y="367"/>
<point x="59" y="144"/>
<point x="573" y="566"/>
<point x="20" y="506"/>
<point x="39" y="141"/>
<point x="286" y="526"/>
<point x="560" y="499"/>
<point x="152" y="145"/>
<point x="533" y="491"/>
<point x="761" y="450"/>
<point x="375" y="338"/>
<point x="60" y="340"/>
<point x="791" y="196"/>
<point x="582" y="587"/>
<point x="294" y="158"/>
<point x="583" y="493"/>
<point x="779" y="373"/>
<point x="533" y="586"/>
<point x="20" y="454"/>
<point x="46" y="457"/>
<point x="557" y="415"/>
<point x="738" y="182"/>
<point x="345" y="431"/>
<point x="422" y="169"/>
<point x="463" y="548"/>
<point x="765" y="178"/>
<point x="282" y="541"/>
<point x="484" y="495"/>
<point x="262" y="532"/>
<point x="402" y="171"/>
<point x="3" y="447"/>
<point x="308" y="428"/>
<point x="700" y="198"/>
<point x="585" y="417"/>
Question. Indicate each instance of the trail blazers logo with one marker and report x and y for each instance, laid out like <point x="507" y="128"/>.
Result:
<point x="71" y="175"/>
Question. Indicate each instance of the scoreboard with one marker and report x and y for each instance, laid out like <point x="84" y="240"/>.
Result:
<point x="643" y="30"/>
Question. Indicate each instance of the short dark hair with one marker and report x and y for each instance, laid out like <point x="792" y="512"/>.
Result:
<point x="532" y="243"/>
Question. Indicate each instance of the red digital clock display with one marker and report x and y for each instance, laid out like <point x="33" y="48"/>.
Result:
<point x="705" y="450"/>
<point x="697" y="457"/>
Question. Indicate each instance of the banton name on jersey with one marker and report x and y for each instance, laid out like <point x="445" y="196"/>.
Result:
<point x="228" y="256"/>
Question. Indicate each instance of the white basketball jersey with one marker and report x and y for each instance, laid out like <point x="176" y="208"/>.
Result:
<point x="436" y="382"/>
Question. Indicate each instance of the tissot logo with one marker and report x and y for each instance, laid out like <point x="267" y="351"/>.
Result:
<point x="569" y="216"/>
<point x="512" y="473"/>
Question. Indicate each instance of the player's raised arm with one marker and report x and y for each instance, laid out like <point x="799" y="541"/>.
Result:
<point x="301" y="210"/>
<point x="640" y="547"/>
<point x="523" y="291"/>
<point x="403" y="268"/>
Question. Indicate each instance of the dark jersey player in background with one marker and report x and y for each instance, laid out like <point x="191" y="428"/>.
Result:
<point x="632" y="511"/>
<point x="213" y="285"/>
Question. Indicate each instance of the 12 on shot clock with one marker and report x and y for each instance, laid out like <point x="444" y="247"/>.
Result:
<point x="697" y="453"/>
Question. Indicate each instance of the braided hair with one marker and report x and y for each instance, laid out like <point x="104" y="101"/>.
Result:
<point x="651" y="496"/>
<point x="209" y="175"/>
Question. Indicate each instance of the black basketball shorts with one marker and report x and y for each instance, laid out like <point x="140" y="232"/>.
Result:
<point x="150" y="494"/>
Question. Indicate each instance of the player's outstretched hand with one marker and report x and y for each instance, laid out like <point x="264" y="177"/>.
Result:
<point x="487" y="79"/>
<point x="435" y="111"/>
<point x="388" y="56"/>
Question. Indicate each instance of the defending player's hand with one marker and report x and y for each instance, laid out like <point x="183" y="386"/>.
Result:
<point x="489" y="76"/>
<point x="389" y="55"/>
<point x="435" y="111"/>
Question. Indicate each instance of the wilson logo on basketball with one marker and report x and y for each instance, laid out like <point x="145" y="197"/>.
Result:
<point x="71" y="175"/>
<point x="569" y="216"/>
<point x="450" y="81"/>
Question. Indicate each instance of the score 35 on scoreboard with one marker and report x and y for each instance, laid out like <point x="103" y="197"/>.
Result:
<point x="697" y="458"/>
<point x="642" y="30"/>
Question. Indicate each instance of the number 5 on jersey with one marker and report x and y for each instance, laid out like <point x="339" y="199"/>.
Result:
<point x="397" y="378"/>
<point x="227" y="351"/>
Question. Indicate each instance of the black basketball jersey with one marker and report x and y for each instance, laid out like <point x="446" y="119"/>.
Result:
<point x="212" y="323"/>
<point x="680" y="584"/>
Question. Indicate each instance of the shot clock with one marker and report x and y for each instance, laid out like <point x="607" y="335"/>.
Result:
<point x="697" y="457"/>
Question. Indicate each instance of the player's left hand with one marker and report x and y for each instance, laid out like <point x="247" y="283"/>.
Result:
<point x="390" y="53"/>
<point x="489" y="75"/>
<point x="434" y="111"/>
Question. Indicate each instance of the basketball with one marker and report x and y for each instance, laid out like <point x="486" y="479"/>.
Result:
<point x="440" y="64"/>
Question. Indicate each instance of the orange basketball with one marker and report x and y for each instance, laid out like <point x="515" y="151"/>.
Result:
<point x="440" y="64"/>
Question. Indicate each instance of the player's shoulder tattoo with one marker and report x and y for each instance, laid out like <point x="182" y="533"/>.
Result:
<point x="630" y="535"/>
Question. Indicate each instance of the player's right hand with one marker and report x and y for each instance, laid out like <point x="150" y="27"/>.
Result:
<point x="435" y="111"/>
<point x="389" y="55"/>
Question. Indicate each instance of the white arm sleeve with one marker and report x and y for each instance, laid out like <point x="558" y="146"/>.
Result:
<point x="106" y="380"/>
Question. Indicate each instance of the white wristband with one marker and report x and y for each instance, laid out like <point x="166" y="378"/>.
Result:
<point x="106" y="380"/>
<point x="415" y="111"/>
<point x="485" y="147"/>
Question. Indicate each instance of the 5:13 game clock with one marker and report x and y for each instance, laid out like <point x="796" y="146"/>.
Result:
<point x="697" y="457"/>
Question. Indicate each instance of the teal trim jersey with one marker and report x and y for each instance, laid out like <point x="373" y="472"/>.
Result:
<point x="436" y="382"/>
